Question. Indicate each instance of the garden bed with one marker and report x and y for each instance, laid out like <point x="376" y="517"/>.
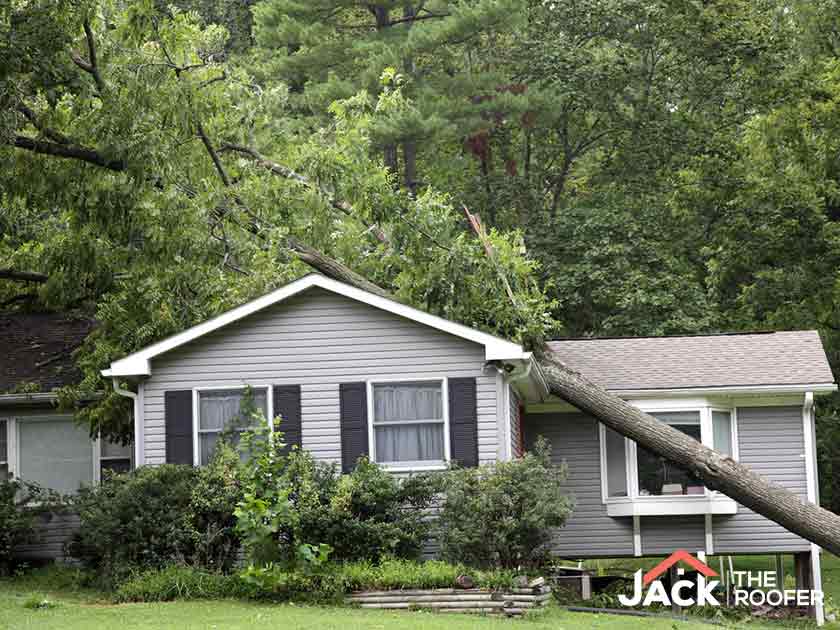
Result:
<point x="511" y="602"/>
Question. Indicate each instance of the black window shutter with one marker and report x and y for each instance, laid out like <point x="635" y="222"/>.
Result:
<point x="178" y="416"/>
<point x="463" y="422"/>
<point x="287" y="406"/>
<point x="354" y="424"/>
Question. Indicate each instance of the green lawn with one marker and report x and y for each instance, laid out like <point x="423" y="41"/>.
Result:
<point x="78" y="608"/>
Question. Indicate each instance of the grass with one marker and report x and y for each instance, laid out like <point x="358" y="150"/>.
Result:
<point x="71" y="607"/>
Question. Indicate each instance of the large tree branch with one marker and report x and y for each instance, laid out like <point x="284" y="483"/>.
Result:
<point x="69" y="151"/>
<point x="22" y="276"/>
<point x="91" y="65"/>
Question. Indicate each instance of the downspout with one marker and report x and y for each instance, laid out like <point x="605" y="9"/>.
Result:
<point x="136" y="412"/>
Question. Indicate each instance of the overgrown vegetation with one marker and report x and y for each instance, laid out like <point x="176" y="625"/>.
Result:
<point x="502" y="515"/>
<point x="153" y="517"/>
<point x="21" y="503"/>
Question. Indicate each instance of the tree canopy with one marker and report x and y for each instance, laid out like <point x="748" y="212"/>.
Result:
<point x="639" y="167"/>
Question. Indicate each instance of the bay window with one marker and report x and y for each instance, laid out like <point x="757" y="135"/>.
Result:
<point x="221" y="412"/>
<point x="408" y="423"/>
<point x="636" y="481"/>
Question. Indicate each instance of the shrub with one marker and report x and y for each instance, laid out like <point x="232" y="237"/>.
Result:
<point x="152" y="517"/>
<point x="179" y="582"/>
<point x="501" y="515"/>
<point x="20" y="504"/>
<point x="295" y="508"/>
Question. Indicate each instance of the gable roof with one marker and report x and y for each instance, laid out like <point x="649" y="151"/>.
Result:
<point x="138" y="363"/>
<point x="37" y="349"/>
<point x="634" y="364"/>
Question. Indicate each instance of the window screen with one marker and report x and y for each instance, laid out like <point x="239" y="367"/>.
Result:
<point x="408" y="422"/>
<point x="616" y="464"/>
<point x="55" y="453"/>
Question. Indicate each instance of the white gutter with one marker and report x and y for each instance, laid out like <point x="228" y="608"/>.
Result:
<point x="136" y="411"/>
<point x="728" y="389"/>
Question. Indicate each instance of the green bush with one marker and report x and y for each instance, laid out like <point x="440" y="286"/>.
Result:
<point x="152" y="517"/>
<point x="20" y="504"/>
<point x="502" y="515"/>
<point x="181" y="583"/>
<point x="294" y="505"/>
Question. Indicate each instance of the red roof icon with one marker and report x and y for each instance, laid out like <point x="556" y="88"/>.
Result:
<point x="680" y="555"/>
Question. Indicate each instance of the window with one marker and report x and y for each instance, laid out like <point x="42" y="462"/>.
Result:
<point x="633" y="474"/>
<point x="617" y="463"/>
<point x="114" y="457"/>
<point x="409" y="423"/>
<point x="220" y="411"/>
<point x="722" y="431"/>
<point x="4" y="449"/>
<point x="656" y="475"/>
<point x="55" y="453"/>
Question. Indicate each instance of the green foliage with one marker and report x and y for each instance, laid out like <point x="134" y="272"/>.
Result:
<point x="406" y="574"/>
<point x="502" y="515"/>
<point x="152" y="517"/>
<point x="297" y="512"/>
<point x="21" y="503"/>
<point x="181" y="583"/>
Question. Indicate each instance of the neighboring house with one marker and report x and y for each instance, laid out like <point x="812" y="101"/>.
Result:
<point x="37" y="442"/>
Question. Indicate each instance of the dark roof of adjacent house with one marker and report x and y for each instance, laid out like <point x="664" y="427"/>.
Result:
<point x="699" y="361"/>
<point x="36" y="349"/>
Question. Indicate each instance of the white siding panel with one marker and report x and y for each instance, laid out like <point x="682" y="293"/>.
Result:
<point x="318" y="340"/>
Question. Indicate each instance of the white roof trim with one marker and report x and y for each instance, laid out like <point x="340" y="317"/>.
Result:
<point x="728" y="389"/>
<point x="138" y="364"/>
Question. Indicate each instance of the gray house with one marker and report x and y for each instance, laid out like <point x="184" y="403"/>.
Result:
<point x="38" y="442"/>
<point x="352" y="373"/>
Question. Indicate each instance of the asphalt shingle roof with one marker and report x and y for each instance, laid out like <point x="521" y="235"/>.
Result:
<point x="38" y="348"/>
<point x="776" y="358"/>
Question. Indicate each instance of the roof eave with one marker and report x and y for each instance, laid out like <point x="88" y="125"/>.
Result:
<point x="729" y="390"/>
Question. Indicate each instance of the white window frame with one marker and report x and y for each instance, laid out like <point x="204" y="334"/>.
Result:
<point x="411" y="466"/>
<point x="636" y="504"/>
<point x="13" y="424"/>
<point x="196" y="392"/>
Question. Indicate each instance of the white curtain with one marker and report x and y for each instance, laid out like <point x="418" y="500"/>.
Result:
<point x="221" y="409"/>
<point x="396" y="403"/>
<point x="56" y="454"/>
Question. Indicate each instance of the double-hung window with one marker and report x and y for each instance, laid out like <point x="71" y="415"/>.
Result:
<point x="221" y="412"/>
<point x="633" y="475"/>
<point x="114" y="457"/>
<point x="409" y="423"/>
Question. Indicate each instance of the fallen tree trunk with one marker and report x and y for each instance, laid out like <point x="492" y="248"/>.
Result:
<point x="724" y="474"/>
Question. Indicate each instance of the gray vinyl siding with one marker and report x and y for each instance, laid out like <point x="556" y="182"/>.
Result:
<point x="771" y="442"/>
<point x="589" y="532"/>
<point x="318" y="340"/>
<point x="52" y="535"/>
<point x="662" y="535"/>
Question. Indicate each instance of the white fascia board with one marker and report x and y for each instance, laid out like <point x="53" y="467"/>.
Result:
<point x="495" y="348"/>
<point x="730" y="390"/>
